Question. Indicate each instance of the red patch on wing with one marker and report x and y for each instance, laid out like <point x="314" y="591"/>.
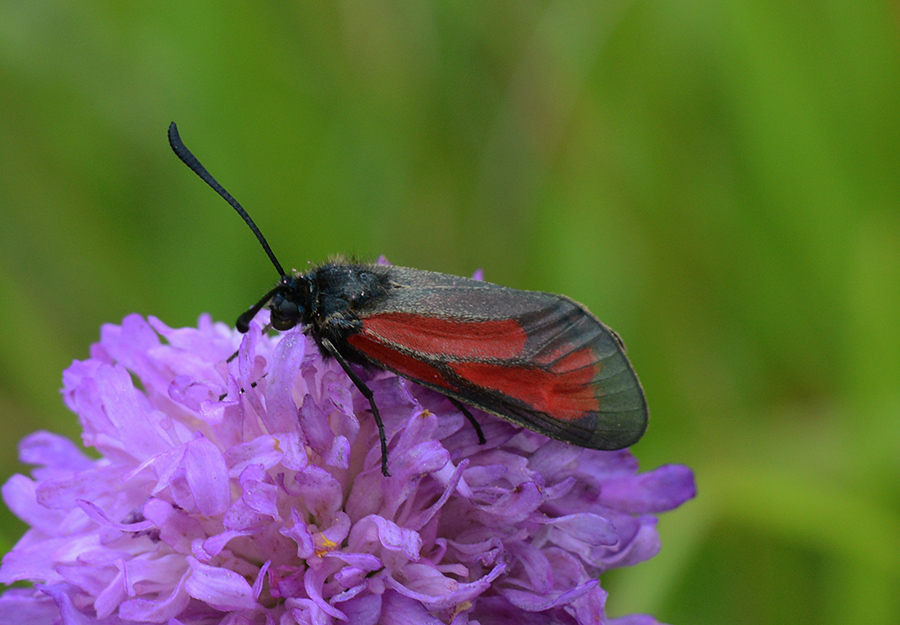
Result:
<point x="565" y="392"/>
<point x="548" y="357"/>
<point x="398" y="361"/>
<point x="502" y="339"/>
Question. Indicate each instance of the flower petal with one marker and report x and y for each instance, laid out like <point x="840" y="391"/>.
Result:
<point x="217" y="587"/>
<point x="377" y="530"/>
<point x="662" y="489"/>
<point x="28" y="606"/>
<point x="54" y="452"/>
<point x="281" y="413"/>
<point x="207" y="476"/>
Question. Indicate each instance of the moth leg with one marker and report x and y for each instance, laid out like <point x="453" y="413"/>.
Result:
<point x="267" y="327"/>
<point x="366" y="392"/>
<point x="224" y="395"/>
<point x="230" y="358"/>
<point x="465" y="411"/>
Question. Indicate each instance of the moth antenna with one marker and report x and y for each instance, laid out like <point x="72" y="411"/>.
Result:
<point x="243" y="322"/>
<point x="191" y="161"/>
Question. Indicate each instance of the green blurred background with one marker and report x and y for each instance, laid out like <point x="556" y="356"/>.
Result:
<point x="717" y="180"/>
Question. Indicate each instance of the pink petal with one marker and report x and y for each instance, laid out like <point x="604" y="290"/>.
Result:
<point x="207" y="476"/>
<point x="220" y="588"/>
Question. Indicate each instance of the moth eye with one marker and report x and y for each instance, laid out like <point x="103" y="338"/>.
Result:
<point x="287" y="308"/>
<point x="285" y="313"/>
<point x="283" y="324"/>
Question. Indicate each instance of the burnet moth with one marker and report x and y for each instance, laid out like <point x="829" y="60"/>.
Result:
<point x="536" y="359"/>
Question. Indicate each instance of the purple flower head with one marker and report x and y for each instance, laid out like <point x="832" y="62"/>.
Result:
<point x="250" y="492"/>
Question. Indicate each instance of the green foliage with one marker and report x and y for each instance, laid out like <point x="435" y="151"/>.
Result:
<point x="716" y="180"/>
